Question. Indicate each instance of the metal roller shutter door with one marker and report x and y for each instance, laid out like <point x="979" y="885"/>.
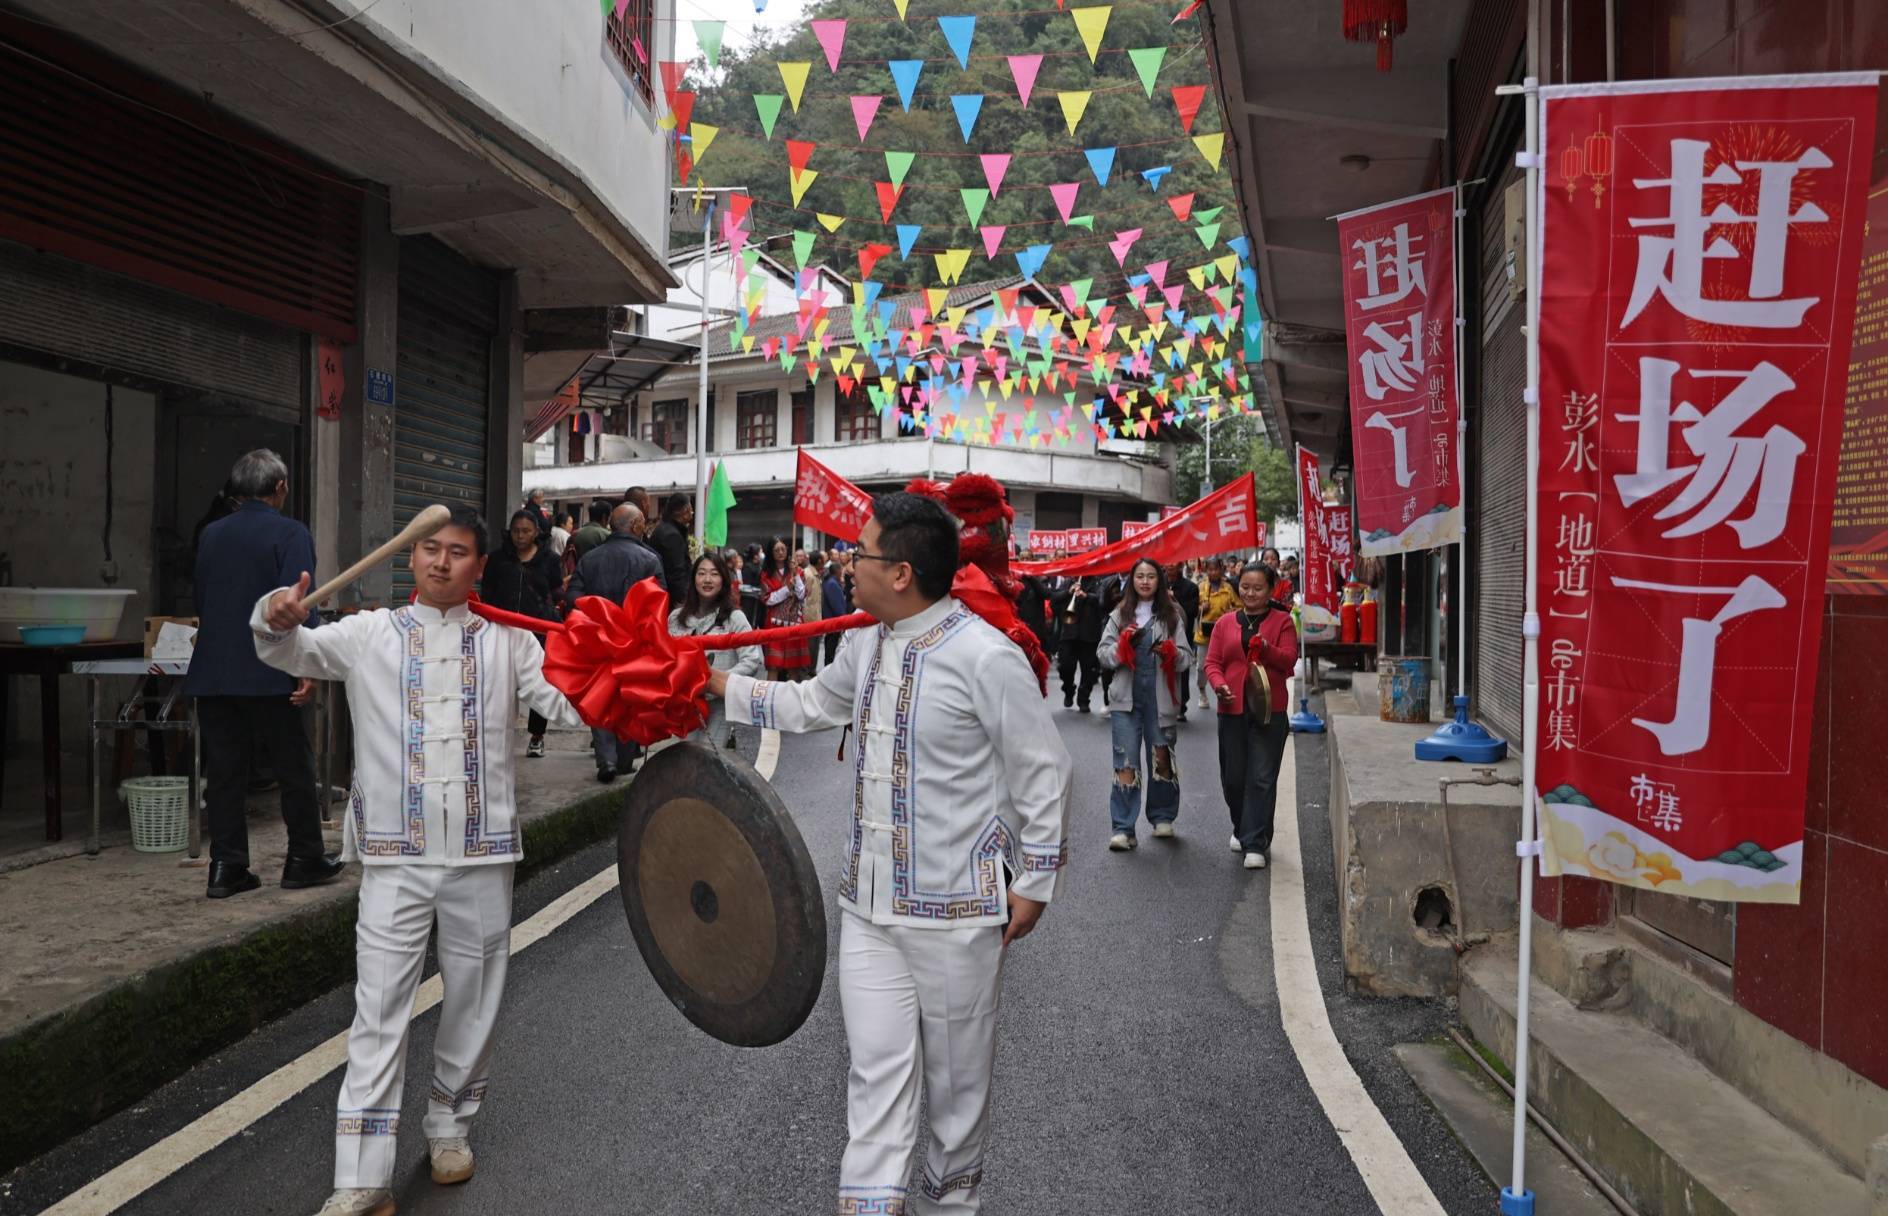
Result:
<point x="442" y="398"/>
<point x="1501" y="490"/>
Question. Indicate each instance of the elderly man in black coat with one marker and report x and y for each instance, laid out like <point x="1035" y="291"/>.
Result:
<point x="609" y="570"/>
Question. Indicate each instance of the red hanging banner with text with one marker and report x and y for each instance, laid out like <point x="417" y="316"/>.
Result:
<point x="1219" y="523"/>
<point x="827" y="502"/>
<point x="1319" y="590"/>
<point x="1399" y="328"/>
<point x="1700" y="249"/>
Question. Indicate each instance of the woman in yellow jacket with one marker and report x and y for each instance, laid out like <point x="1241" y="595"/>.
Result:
<point x="1217" y="598"/>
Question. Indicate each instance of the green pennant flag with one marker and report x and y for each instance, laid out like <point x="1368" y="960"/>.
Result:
<point x="802" y="247"/>
<point x="708" y="33"/>
<point x="714" y="523"/>
<point x="897" y="164"/>
<point x="1083" y="221"/>
<point x="1147" y="61"/>
<point x="974" y="200"/>
<point x="768" y="105"/>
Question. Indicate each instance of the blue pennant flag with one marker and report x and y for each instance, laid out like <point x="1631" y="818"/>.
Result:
<point x="968" y="106"/>
<point x="1177" y="316"/>
<point x="1135" y="280"/>
<point x="1101" y="163"/>
<point x="872" y="288"/>
<point x="958" y="31"/>
<point x="1240" y="245"/>
<point x="1155" y="175"/>
<point x="907" y="237"/>
<point x="905" y="76"/>
<point x="1029" y="261"/>
<point x="886" y="308"/>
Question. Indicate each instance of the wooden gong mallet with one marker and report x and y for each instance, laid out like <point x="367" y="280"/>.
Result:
<point x="421" y="526"/>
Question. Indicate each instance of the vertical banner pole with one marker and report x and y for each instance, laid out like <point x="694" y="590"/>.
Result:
<point x="701" y="398"/>
<point x="1461" y="462"/>
<point x="1304" y="721"/>
<point x="1516" y="1199"/>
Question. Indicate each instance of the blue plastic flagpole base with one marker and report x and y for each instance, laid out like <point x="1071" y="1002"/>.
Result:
<point x="1462" y="740"/>
<point x="1305" y="722"/>
<point x="1517" y="1205"/>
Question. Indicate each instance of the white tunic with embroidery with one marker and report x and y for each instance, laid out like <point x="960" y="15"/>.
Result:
<point x="434" y="699"/>
<point x="960" y="782"/>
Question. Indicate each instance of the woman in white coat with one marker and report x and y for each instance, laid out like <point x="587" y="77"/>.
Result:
<point x="709" y="607"/>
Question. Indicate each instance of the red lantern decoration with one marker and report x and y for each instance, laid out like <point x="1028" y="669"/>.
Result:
<point x="1572" y="166"/>
<point x="1378" y="21"/>
<point x="1599" y="161"/>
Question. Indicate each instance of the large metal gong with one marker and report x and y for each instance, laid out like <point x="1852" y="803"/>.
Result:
<point x="721" y="895"/>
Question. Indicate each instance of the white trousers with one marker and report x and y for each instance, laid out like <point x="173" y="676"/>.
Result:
<point x="399" y="904"/>
<point x="920" y="1008"/>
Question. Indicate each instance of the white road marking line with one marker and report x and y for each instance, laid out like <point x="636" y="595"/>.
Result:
<point x="769" y="754"/>
<point x="120" y="1186"/>
<point x="1392" y="1178"/>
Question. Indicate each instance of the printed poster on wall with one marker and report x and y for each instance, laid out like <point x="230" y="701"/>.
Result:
<point x="1858" y="535"/>
<point x="1700" y="247"/>
<point x="1399" y="327"/>
<point x="1320" y="595"/>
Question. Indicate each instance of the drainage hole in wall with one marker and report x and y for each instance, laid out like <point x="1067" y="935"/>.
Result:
<point x="1433" y="911"/>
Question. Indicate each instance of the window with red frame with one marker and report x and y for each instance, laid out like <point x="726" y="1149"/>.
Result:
<point x="853" y="416"/>
<point x="802" y="402"/>
<point x="757" y="419"/>
<point x="630" y="30"/>
<point x="667" y="427"/>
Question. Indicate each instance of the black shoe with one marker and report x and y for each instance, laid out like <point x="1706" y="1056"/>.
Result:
<point x="299" y="872"/>
<point x="1081" y="709"/>
<point x="1068" y="700"/>
<point x="605" y="774"/>
<point x="228" y="878"/>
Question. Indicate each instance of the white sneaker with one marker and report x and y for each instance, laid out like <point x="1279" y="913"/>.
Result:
<point x="1255" y="861"/>
<point x="452" y="1159"/>
<point x="1164" y="831"/>
<point x="1236" y="847"/>
<point x="356" y="1201"/>
<point x="1120" y="842"/>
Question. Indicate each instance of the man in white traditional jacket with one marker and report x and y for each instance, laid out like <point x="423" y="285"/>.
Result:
<point x="959" y="833"/>
<point x="434" y="692"/>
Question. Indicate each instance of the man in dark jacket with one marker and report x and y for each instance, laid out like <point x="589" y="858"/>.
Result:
<point x="833" y="602"/>
<point x="1186" y="596"/>
<point x="1079" y="606"/>
<point x="670" y="541"/>
<point x="240" y="700"/>
<point x="596" y="531"/>
<point x="609" y="570"/>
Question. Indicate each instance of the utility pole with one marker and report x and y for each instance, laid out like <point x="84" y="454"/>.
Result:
<point x="698" y="423"/>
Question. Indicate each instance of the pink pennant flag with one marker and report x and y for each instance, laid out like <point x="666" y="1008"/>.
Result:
<point x="919" y="311"/>
<point x="832" y="39"/>
<point x="1158" y="272"/>
<point x="1064" y="195"/>
<point x="1173" y="294"/>
<point x="1123" y="241"/>
<point x="992" y="237"/>
<point x="995" y="165"/>
<point x="1068" y="298"/>
<point x="1023" y="69"/>
<point x="864" y="110"/>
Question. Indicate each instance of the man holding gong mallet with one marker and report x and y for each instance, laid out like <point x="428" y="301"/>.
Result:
<point x="434" y="692"/>
<point x="959" y="833"/>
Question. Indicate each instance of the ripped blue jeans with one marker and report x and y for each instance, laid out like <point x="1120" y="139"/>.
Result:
<point x="1137" y="734"/>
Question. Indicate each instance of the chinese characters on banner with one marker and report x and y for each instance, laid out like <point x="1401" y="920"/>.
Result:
<point x="1399" y="326"/>
<point x="1858" y="536"/>
<point x="1319" y="592"/>
<point x="1219" y="523"/>
<point x="1131" y="528"/>
<point x="1046" y="540"/>
<point x="1084" y="540"/>
<point x="330" y="377"/>
<point x="827" y="502"/>
<point x="1696" y="306"/>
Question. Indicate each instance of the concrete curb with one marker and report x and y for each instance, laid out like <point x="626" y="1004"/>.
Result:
<point x="66" y="1072"/>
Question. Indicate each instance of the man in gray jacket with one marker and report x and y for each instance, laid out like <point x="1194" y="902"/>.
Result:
<point x="610" y="570"/>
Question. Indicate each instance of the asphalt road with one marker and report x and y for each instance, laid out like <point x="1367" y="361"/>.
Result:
<point x="1142" y="1066"/>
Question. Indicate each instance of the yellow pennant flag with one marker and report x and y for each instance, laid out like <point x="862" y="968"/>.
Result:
<point x="793" y="75"/>
<point x="700" y="135"/>
<point x="747" y="344"/>
<point x="1081" y="329"/>
<point x="934" y="298"/>
<point x="1228" y="266"/>
<point x="820" y="327"/>
<point x="901" y="6"/>
<point x="1210" y="146"/>
<point x="801" y="182"/>
<point x="1198" y="275"/>
<point x="829" y="222"/>
<point x="1075" y="104"/>
<point x="1090" y="23"/>
<point x="943" y="260"/>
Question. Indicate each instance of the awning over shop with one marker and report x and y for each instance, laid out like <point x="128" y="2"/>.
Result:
<point x="632" y="363"/>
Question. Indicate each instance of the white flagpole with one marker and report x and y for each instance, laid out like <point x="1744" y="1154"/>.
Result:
<point x="1461" y="462"/>
<point x="1516" y="1199"/>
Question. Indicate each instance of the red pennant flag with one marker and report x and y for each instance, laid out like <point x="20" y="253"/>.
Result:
<point x="682" y="105"/>
<point x="672" y="73"/>
<point x="800" y="151"/>
<point x="739" y="205"/>
<point x="888" y="196"/>
<point x="1182" y="205"/>
<point x="1186" y="99"/>
<point x="869" y="256"/>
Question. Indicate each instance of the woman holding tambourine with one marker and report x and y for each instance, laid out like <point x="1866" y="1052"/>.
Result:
<point x="1249" y="661"/>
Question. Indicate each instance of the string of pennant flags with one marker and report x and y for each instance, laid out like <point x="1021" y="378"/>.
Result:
<point x="1161" y="344"/>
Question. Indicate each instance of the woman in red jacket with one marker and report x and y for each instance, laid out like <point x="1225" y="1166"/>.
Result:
<point x="1252" y="648"/>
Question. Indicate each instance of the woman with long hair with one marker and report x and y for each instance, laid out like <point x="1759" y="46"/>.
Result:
<point x="1248" y="666"/>
<point x="783" y="601"/>
<point x="525" y="576"/>
<point x="708" y="607"/>
<point x="1145" y="637"/>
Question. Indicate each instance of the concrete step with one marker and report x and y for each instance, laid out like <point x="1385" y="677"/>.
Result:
<point x="1662" y="1128"/>
<point x="1482" y="1117"/>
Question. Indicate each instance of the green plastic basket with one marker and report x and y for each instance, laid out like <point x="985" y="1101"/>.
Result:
<point x="160" y="812"/>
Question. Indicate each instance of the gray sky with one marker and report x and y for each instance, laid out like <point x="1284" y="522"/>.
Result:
<point x="741" y="20"/>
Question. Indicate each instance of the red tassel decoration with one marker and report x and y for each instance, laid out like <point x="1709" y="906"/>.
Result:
<point x="1378" y="21"/>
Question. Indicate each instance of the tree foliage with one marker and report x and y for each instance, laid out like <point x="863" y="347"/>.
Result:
<point x="1240" y="446"/>
<point x="1120" y="115"/>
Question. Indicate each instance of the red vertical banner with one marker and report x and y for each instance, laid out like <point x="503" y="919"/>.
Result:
<point x="1700" y="248"/>
<point x="1399" y="327"/>
<point x="331" y="379"/>
<point x="1319" y="591"/>
<point x="827" y="502"/>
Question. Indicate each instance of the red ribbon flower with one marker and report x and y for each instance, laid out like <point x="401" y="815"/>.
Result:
<point x="1124" y="646"/>
<point x="624" y="672"/>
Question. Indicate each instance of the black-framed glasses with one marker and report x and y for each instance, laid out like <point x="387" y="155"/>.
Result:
<point x="879" y="557"/>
